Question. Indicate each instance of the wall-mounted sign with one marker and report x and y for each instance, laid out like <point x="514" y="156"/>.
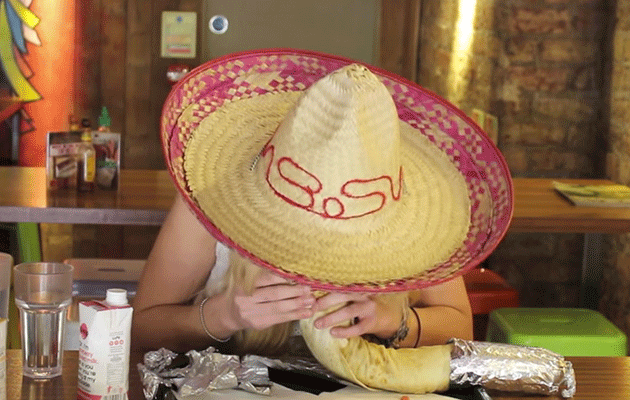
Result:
<point x="179" y="34"/>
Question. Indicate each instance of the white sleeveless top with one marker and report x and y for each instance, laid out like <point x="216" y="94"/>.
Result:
<point x="215" y="280"/>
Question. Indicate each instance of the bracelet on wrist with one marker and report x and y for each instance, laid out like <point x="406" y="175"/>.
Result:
<point x="400" y="334"/>
<point x="203" y="323"/>
<point x="419" y="326"/>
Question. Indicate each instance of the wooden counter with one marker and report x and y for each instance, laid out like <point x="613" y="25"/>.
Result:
<point x="145" y="196"/>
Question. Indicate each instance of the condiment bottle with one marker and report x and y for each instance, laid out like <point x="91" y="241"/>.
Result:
<point x="104" y="121"/>
<point x="106" y="153"/>
<point x="87" y="159"/>
<point x="73" y="123"/>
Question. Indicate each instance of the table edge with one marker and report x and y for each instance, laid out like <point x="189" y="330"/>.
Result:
<point x="98" y="216"/>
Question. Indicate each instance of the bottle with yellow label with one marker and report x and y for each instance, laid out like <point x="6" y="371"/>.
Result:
<point x="87" y="159"/>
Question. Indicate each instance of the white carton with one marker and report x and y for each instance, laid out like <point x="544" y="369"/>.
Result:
<point x="104" y="346"/>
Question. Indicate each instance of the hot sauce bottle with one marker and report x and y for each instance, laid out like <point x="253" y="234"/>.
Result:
<point x="86" y="159"/>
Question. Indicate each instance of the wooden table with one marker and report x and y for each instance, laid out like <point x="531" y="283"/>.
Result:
<point x="598" y="378"/>
<point x="538" y="208"/>
<point x="144" y="197"/>
<point x="63" y="387"/>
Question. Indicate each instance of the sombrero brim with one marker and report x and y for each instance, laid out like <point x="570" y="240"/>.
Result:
<point x="426" y="121"/>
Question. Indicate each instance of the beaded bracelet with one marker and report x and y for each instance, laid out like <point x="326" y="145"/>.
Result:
<point x="400" y="334"/>
<point x="417" y="319"/>
<point x="203" y="323"/>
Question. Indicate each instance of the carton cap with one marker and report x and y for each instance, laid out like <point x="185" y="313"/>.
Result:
<point x="116" y="297"/>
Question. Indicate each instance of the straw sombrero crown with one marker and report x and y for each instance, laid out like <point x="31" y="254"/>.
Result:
<point x="335" y="174"/>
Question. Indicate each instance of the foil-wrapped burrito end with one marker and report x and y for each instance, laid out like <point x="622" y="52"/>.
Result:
<point x="197" y="372"/>
<point x="166" y="375"/>
<point x="511" y="368"/>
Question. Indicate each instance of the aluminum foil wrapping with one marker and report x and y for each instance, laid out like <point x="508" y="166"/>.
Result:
<point x="511" y="368"/>
<point x="294" y="363"/>
<point x="197" y="372"/>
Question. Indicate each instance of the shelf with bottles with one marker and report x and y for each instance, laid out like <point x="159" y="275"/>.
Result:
<point x="83" y="158"/>
<point x="65" y="153"/>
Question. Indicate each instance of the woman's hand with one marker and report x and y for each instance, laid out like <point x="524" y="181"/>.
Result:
<point x="274" y="300"/>
<point x="368" y="313"/>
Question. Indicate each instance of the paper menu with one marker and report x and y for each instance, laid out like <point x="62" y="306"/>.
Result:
<point x="602" y="195"/>
<point x="62" y="150"/>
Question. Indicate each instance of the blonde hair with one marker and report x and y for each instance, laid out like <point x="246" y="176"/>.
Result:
<point x="270" y="341"/>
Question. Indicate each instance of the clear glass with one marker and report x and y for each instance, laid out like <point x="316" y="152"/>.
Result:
<point x="43" y="292"/>
<point x="6" y="263"/>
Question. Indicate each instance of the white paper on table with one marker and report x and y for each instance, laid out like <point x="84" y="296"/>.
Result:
<point x="350" y="392"/>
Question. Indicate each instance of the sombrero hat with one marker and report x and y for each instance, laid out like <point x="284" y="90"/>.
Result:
<point x="333" y="173"/>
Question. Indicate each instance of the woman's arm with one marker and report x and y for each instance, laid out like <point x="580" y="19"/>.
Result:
<point x="444" y="312"/>
<point x="177" y="269"/>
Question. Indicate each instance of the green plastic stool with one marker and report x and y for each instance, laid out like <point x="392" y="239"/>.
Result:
<point x="28" y="242"/>
<point x="566" y="331"/>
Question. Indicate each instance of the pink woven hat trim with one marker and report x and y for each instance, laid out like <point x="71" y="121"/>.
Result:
<point x="487" y="177"/>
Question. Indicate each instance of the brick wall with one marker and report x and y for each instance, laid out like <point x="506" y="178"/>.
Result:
<point x="615" y="301"/>
<point x="537" y="66"/>
<point x="471" y="85"/>
<point x="550" y="94"/>
<point x="549" y="99"/>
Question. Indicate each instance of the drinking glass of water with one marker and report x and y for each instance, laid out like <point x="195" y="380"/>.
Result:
<point x="6" y="264"/>
<point x="43" y="292"/>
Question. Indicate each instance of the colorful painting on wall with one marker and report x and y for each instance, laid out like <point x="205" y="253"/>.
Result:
<point x="17" y="27"/>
